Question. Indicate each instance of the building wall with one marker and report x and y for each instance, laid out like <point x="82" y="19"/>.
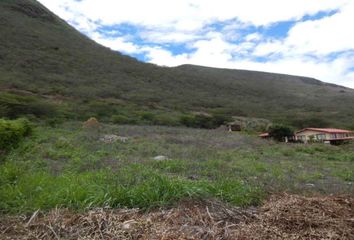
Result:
<point x="306" y="135"/>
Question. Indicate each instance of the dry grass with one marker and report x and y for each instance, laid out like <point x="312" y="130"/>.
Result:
<point x="295" y="217"/>
<point x="281" y="217"/>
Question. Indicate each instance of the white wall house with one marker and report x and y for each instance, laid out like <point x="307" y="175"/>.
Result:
<point x="323" y="135"/>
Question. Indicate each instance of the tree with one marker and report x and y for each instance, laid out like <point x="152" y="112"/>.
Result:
<point x="279" y="132"/>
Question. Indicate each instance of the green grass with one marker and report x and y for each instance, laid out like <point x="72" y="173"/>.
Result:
<point x="67" y="166"/>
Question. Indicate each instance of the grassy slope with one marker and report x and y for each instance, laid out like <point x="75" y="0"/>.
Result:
<point x="69" y="167"/>
<point x="43" y="55"/>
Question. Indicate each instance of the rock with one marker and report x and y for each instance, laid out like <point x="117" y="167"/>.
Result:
<point x="161" y="158"/>
<point x="91" y="123"/>
<point x="123" y="139"/>
<point x="310" y="185"/>
<point x="193" y="177"/>
<point x="129" y="224"/>
<point x="113" y="138"/>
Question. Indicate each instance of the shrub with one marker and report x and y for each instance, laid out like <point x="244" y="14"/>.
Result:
<point x="12" y="132"/>
<point x="204" y="121"/>
<point x="14" y="106"/>
<point x="166" y="120"/>
<point x="147" y="116"/>
<point x="122" y="119"/>
<point x="279" y="132"/>
<point x="310" y="122"/>
<point x="220" y="119"/>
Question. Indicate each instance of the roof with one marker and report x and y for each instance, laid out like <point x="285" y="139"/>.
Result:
<point x="325" y="130"/>
<point x="264" y="135"/>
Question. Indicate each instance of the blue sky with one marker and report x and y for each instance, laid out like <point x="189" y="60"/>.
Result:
<point x="304" y="37"/>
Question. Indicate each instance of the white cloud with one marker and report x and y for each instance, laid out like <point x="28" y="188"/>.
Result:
<point x="169" y="37"/>
<point x="190" y="14"/>
<point x="320" y="37"/>
<point x="116" y="43"/>
<point x="324" y="36"/>
<point x="253" y="37"/>
<point x="163" y="57"/>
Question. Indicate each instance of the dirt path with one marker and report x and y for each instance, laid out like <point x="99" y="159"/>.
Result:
<point x="281" y="217"/>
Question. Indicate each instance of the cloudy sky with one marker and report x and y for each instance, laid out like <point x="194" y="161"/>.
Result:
<point x="312" y="38"/>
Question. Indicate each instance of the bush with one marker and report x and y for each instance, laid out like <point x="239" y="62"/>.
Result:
<point x="12" y="132"/>
<point x="13" y="106"/>
<point x="279" y="132"/>
<point x="122" y="119"/>
<point x="166" y="120"/>
<point x="310" y="122"/>
<point x="204" y="121"/>
<point x="147" y="116"/>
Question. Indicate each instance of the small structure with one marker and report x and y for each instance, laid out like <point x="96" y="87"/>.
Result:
<point x="326" y="135"/>
<point x="264" y="135"/>
<point x="233" y="127"/>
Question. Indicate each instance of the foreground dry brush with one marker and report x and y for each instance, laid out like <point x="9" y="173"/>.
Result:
<point x="283" y="216"/>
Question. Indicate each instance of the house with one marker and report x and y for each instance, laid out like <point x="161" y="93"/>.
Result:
<point x="327" y="135"/>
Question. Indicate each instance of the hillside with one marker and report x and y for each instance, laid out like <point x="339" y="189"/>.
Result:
<point x="49" y="68"/>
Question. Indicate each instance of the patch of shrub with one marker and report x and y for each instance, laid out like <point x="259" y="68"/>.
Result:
<point x="166" y="120"/>
<point x="122" y="119"/>
<point x="204" y="121"/>
<point x="12" y="132"/>
<point x="13" y="106"/>
<point x="146" y="118"/>
<point x="279" y="132"/>
<point x="315" y="122"/>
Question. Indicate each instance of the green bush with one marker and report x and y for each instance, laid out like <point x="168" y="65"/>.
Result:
<point x="279" y="132"/>
<point x="310" y="122"/>
<point x="148" y="117"/>
<point x="166" y="120"/>
<point x="12" y="132"/>
<point x="204" y="121"/>
<point x="122" y="119"/>
<point x="13" y="106"/>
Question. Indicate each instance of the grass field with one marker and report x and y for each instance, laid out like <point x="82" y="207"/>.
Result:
<point x="68" y="166"/>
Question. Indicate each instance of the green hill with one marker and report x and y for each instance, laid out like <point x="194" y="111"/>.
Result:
<point x="49" y="69"/>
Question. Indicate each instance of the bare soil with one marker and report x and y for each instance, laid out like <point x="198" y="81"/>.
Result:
<point x="283" y="216"/>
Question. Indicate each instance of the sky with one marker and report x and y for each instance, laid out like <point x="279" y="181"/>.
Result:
<point x="313" y="38"/>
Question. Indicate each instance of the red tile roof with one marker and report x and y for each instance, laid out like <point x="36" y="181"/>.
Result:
<point x="264" y="135"/>
<point x="325" y="130"/>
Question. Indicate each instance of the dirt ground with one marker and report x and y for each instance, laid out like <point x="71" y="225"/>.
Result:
<point x="283" y="216"/>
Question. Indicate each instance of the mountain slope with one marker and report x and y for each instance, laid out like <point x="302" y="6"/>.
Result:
<point x="42" y="56"/>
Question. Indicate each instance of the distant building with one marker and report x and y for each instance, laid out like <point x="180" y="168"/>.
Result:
<point x="233" y="127"/>
<point x="327" y="135"/>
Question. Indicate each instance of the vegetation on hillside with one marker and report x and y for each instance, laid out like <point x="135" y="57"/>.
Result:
<point x="71" y="166"/>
